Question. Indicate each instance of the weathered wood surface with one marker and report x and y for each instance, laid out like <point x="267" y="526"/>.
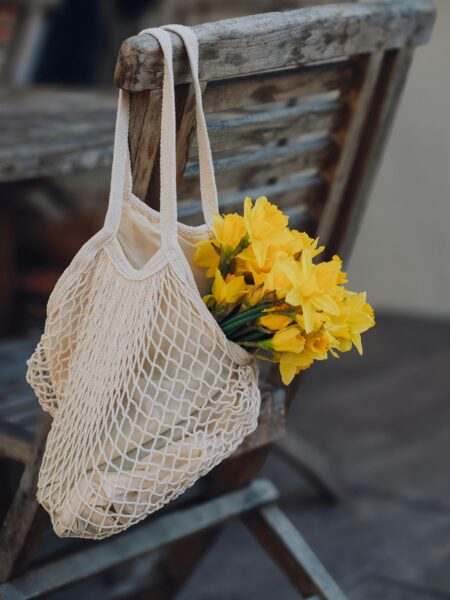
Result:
<point x="373" y="139"/>
<point x="288" y="549"/>
<point x="279" y="86"/>
<point x="277" y="40"/>
<point x="19" y="519"/>
<point x="262" y="127"/>
<point x="271" y="421"/>
<point x="153" y="535"/>
<point x="48" y="132"/>
<point x="256" y="168"/>
<point x="305" y="191"/>
<point x="358" y="99"/>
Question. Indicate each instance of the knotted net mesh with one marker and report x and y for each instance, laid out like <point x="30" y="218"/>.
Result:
<point x="145" y="394"/>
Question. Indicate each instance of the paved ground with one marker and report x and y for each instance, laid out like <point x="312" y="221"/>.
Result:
<point x="384" y="420"/>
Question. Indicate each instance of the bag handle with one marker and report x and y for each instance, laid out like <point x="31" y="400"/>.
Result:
<point x="121" y="182"/>
<point x="208" y="189"/>
<point x="121" y="178"/>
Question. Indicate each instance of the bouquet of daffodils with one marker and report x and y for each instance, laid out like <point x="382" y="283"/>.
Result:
<point x="269" y="296"/>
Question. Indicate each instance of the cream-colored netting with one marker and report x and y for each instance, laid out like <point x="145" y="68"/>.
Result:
<point x="146" y="392"/>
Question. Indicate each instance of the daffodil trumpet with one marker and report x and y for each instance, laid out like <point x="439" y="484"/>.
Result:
<point x="269" y="295"/>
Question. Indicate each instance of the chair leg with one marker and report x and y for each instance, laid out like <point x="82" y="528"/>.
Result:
<point x="290" y="552"/>
<point x="312" y="464"/>
<point x="23" y="523"/>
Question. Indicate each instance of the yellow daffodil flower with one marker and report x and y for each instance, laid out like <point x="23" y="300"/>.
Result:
<point x="266" y="226"/>
<point x="286" y="340"/>
<point x="230" y="290"/>
<point x="229" y="230"/>
<point x="254" y="295"/>
<point x="266" y="272"/>
<point x="301" y="241"/>
<point x="207" y="256"/>
<point x="355" y="318"/>
<point x="312" y="287"/>
<point x="291" y="364"/>
<point x="274" y="322"/>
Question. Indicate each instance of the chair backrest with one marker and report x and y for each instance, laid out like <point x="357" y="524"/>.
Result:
<point x="299" y="104"/>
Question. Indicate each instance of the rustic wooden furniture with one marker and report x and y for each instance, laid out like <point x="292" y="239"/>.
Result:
<point x="300" y="107"/>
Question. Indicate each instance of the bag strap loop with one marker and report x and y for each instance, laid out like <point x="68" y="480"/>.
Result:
<point x="121" y="178"/>
<point x="208" y="187"/>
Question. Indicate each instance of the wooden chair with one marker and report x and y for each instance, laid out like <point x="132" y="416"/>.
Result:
<point x="300" y="107"/>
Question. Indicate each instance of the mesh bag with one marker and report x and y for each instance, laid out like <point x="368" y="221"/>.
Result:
<point x="146" y="393"/>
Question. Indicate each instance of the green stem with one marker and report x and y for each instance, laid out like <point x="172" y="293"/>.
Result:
<point x="243" y="317"/>
<point x="251" y="336"/>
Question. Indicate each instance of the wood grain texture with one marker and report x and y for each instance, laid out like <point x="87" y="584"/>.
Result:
<point x="358" y="99"/>
<point x="278" y="86"/>
<point x="49" y="132"/>
<point x="258" y="168"/>
<point x="288" y="549"/>
<point x="271" y="421"/>
<point x="144" y="134"/>
<point x="300" y="190"/>
<point x="270" y="41"/>
<point x="20" y="517"/>
<point x="368" y="155"/>
<point x="259" y="128"/>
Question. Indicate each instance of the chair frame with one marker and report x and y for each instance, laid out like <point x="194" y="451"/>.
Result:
<point x="381" y="37"/>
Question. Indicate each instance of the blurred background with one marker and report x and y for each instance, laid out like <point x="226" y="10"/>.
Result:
<point x="382" y="420"/>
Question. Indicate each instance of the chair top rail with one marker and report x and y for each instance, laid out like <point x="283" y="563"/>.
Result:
<point x="280" y="40"/>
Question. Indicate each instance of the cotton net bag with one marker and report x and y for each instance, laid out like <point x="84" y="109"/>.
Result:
<point x="146" y="393"/>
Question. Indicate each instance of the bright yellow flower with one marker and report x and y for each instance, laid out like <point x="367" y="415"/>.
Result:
<point x="274" y="322"/>
<point x="313" y="287"/>
<point x="229" y="230"/>
<point x="286" y="340"/>
<point x="317" y="344"/>
<point x="248" y="262"/>
<point x="207" y="256"/>
<point x="266" y="226"/>
<point x="301" y="241"/>
<point x="255" y="294"/>
<point x="278" y="278"/>
<point x="356" y="317"/>
<point x="230" y="290"/>
<point x="291" y="364"/>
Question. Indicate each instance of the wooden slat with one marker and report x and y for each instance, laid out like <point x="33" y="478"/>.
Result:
<point x="289" y="550"/>
<point x="259" y="128"/>
<point x="140" y="540"/>
<point x="358" y="100"/>
<point x="271" y="422"/>
<point x="21" y="515"/>
<point x="281" y="39"/>
<point x="144" y="134"/>
<point x="296" y="191"/>
<point x="245" y="170"/>
<point x="279" y="86"/>
<point x="371" y="145"/>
